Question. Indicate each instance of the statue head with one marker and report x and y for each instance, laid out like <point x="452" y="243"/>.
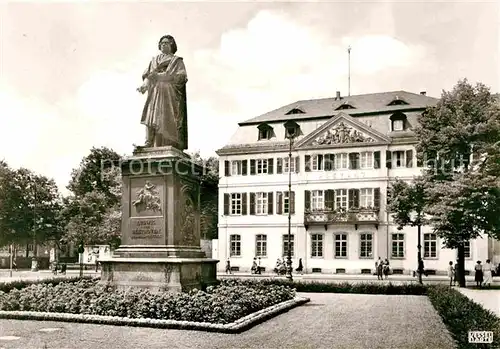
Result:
<point x="167" y="44"/>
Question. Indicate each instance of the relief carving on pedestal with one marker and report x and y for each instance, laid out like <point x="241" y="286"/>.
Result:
<point x="148" y="199"/>
<point x="342" y="133"/>
<point x="189" y="213"/>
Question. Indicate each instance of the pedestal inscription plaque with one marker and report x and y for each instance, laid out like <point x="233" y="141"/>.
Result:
<point x="147" y="231"/>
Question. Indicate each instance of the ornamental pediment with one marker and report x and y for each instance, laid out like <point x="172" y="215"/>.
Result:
<point x="342" y="129"/>
<point x="340" y="134"/>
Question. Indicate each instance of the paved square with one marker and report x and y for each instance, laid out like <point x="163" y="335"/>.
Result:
<point x="332" y="321"/>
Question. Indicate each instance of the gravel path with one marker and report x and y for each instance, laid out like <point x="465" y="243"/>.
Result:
<point x="489" y="299"/>
<point x="332" y="321"/>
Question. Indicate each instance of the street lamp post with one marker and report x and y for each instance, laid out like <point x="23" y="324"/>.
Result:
<point x="290" y="134"/>
<point x="419" y="255"/>
<point x="34" y="260"/>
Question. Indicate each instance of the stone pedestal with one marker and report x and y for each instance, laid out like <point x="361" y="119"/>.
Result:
<point x="160" y="246"/>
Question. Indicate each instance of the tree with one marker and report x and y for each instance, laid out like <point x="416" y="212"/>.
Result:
<point x="408" y="203"/>
<point x="92" y="213"/>
<point x="30" y="206"/>
<point x="209" y="198"/>
<point x="462" y="194"/>
<point x="90" y="174"/>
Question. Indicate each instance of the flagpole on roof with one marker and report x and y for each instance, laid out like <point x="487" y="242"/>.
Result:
<point x="349" y="71"/>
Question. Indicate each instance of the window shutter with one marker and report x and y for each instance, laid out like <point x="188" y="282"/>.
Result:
<point x="279" y="202"/>
<point x="308" y="163"/>
<point x="328" y="163"/>
<point x="270" y="202"/>
<point x="356" y="198"/>
<point x="376" y="161"/>
<point x="244" y="206"/>
<point x="354" y="161"/>
<point x="376" y="197"/>
<point x="279" y="165"/>
<point x="292" y="202"/>
<point x="409" y="158"/>
<point x="297" y="164"/>
<point x="252" y="166"/>
<point x="227" y="168"/>
<point x="270" y="166"/>
<point x="252" y="203"/>
<point x="307" y="199"/>
<point x="226" y="204"/>
<point x="329" y="199"/>
<point x="388" y="160"/>
<point x="350" y="194"/>
<point x="244" y="167"/>
<point x="320" y="162"/>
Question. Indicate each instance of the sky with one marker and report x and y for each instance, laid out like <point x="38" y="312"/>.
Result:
<point x="69" y="71"/>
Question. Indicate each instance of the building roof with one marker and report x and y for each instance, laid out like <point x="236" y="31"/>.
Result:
<point x="362" y="104"/>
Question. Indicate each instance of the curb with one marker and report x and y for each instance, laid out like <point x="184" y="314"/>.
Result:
<point x="238" y="326"/>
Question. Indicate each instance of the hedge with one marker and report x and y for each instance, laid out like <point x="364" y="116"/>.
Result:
<point x="461" y="315"/>
<point x="20" y="284"/>
<point x="221" y="304"/>
<point x="344" y="287"/>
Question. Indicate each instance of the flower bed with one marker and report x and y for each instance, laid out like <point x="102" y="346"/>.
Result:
<point x="20" y="284"/>
<point x="222" y="304"/>
<point x="462" y="315"/>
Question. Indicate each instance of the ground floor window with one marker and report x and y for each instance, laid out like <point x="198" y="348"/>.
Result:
<point x="235" y="245"/>
<point x="366" y="245"/>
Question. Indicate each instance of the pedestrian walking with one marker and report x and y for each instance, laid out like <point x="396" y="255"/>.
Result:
<point x="228" y="267"/>
<point x="259" y="270"/>
<point x="379" y="265"/>
<point x="478" y="277"/>
<point x="386" y="268"/>
<point x="487" y="275"/>
<point x="451" y="273"/>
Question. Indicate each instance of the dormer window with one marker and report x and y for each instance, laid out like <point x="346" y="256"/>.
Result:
<point x="344" y="106"/>
<point x="295" y="111"/>
<point x="292" y="129"/>
<point x="265" y="131"/>
<point x="398" y="122"/>
<point x="398" y="101"/>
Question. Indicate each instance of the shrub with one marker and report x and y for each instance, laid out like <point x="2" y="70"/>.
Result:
<point x="222" y="304"/>
<point x="344" y="287"/>
<point x="20" y="284"/>
<point x="462" y="315"/>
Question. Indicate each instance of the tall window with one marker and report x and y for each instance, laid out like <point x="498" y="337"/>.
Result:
<point x="398" y="245"/>
<point x="341" y="199"/>
<point x="285" y="245"/>
<point x="467" y="249"/>
<point x="317" y="163"/>
<point x="317" y="245"/>
<point x="261" y="203"/>
<point x="366" y="197"/>
<point x="366" y="245"/>
<point x="261" y="245"/>
<point x="288" y="166"/>
<point x="340" y="245"/>
<point x="398" y="159"/>
<point x="236" y="203"/>
<point x="235" y="245"/>
<point x="286" y="201"/>
<point x="236" y="167"/>
<point x="430" y="245"/>
<point x="366" y="160"/>
<point x="317" y="200"/>
<point x="261" y="166"/>
<point x="341" y="161"/>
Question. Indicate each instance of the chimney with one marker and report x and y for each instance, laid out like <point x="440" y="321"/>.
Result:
<point x="338" y="98"/>
<point x="423" y="93"/>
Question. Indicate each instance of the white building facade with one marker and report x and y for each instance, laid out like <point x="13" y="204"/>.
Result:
<point x="347" y="151"/>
